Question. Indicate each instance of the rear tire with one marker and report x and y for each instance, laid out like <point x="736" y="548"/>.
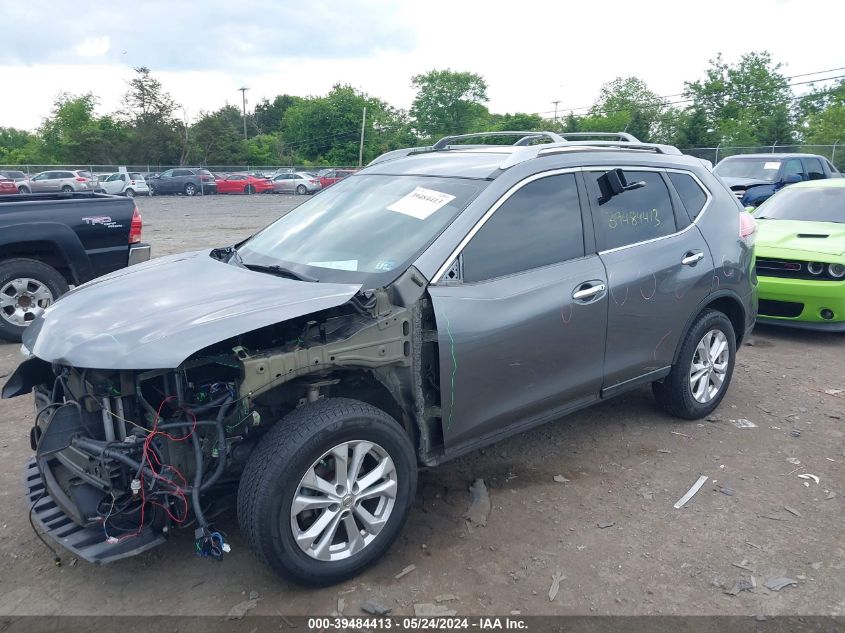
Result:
<point x="67" y="189"/>
<point x="26" y="279"/>
<point x="190" y="189"/>
<point x="701" y="377"/>
<point x="249" y="189"/>
<point x="309" y="444"/>
<point x="302" y="190"/>
<point x="129" y="193"/>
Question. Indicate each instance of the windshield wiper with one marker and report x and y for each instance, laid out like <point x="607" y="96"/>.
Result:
<point x="281" y="271"/>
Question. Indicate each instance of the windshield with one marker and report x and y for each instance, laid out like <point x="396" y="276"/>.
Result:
<point x="754" y="168"/>
<point x="365" y="229"/>
<point x="823" y="204"/>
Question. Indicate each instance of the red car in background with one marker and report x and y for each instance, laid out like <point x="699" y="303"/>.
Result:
<point x="7" y="185"/>
<point x="328" y="178"/>
<point x="243" y="183"/>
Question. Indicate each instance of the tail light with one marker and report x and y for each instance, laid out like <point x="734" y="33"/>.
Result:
<point x="81" y="179"/>
<point x="135" y="227"/>
<point x="131" y="182"/>
<point x="315" y="182"/>
<point x="747" y="226"/>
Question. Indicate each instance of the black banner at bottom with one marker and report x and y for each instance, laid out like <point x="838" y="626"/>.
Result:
<point x="524" y="624"/>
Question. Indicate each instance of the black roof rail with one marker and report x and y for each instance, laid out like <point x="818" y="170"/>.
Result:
<point x="619" y="136"/>
<point x="527" y="136"/>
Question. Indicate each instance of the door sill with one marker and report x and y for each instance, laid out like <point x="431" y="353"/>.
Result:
<point x="633" y="383"/>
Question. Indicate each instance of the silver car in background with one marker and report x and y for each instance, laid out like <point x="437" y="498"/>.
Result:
<point x="60" y="180"/>
<point x="296" y="182"/>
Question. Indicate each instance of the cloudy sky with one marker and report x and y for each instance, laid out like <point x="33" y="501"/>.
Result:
<point x="530" y="52"/>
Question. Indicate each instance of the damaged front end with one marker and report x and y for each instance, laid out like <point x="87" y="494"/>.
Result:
<point x="124" y="456"/>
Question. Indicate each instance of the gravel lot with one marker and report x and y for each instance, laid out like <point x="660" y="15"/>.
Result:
<point x="625" y="464"/>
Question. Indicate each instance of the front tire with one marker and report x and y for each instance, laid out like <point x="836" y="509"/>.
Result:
<point x="700" y="378"/>
<point x="27" y="288"/>
<point x="23" y="191"/>
<point x="327" y="490"/>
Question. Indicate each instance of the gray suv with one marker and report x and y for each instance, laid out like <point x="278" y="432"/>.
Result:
<point x="190" y="181"/>
<point x="439" y="300"/>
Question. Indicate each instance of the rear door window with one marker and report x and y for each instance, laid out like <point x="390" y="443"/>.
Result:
<point x="793" y="167"/>
<point x="637" y="215"/>
<point x="540" y="224"/>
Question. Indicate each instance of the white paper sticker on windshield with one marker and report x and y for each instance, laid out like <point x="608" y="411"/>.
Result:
<point x="347" y="264"/>
<point x="772" y="165"/>
<point x="421" y="203"/>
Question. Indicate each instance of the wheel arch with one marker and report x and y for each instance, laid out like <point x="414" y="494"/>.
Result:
<point x="55" y="248"/>
<point x="726" y="302"/>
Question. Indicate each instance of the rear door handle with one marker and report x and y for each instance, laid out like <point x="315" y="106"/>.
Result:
<point x="692" y="258"/>
<point x="585" y="292"/>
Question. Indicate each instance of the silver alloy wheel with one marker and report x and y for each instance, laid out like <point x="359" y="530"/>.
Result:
<point x="130" y="193"/>
<point x="23" y="299"/>
<point x="344" y="500"/>
<point x="709" y="366"/>
<point x="190" y="189"/>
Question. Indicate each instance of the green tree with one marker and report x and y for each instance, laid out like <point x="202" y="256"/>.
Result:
<point x="449" y="102"/>
<point x="267" y="116"/>
<point x="517" y="121"/>
<point x="628" y="104"/>
<point x="73" y="134"/>
<point x="326" y="130"/>
<point x="19" y="147"/>
<point x="747" y="103"/>
<point x="217" y="138"/>
<point x="156" y="136"/>
<point x="263" y="149"/>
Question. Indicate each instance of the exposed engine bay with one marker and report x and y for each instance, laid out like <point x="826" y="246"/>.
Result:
<point x="130" y="455"/>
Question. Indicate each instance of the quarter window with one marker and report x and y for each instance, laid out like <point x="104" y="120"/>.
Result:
<point x="639" y="214"/>
<point x="540" y="224"/>
<point x="689" y="192"/>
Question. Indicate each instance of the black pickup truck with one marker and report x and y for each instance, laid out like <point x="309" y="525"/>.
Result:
<point x="49" y="242"/>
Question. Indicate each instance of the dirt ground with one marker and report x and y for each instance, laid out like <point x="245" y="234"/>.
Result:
<point x="625" y="464"/>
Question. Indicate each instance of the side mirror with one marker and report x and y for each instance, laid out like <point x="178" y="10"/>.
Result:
<point x="791" y="179"/>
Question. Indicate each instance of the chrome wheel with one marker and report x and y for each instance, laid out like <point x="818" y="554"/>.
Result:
<point x="23" y="299"/>
<point x="343" y="501"/>
<point x="709" y="366"/>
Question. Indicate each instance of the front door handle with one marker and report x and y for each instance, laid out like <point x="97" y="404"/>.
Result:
<point x="692" y="258"/>
<point x="585" y="293"/>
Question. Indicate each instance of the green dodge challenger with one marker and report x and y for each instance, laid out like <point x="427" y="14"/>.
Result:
<point x="801" y="256"/>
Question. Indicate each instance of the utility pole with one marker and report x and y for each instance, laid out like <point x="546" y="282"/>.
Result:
<point x="243" y="95"/>
<point x="361" y="146"/>
<point x="556" y="104"/>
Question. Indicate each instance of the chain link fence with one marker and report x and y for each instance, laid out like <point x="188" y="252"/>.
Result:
<point x="835" y="153"/>
<point x="31" y="170"/>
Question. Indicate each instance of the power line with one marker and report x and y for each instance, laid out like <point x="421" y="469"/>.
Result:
<point x="659" y="100"/>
